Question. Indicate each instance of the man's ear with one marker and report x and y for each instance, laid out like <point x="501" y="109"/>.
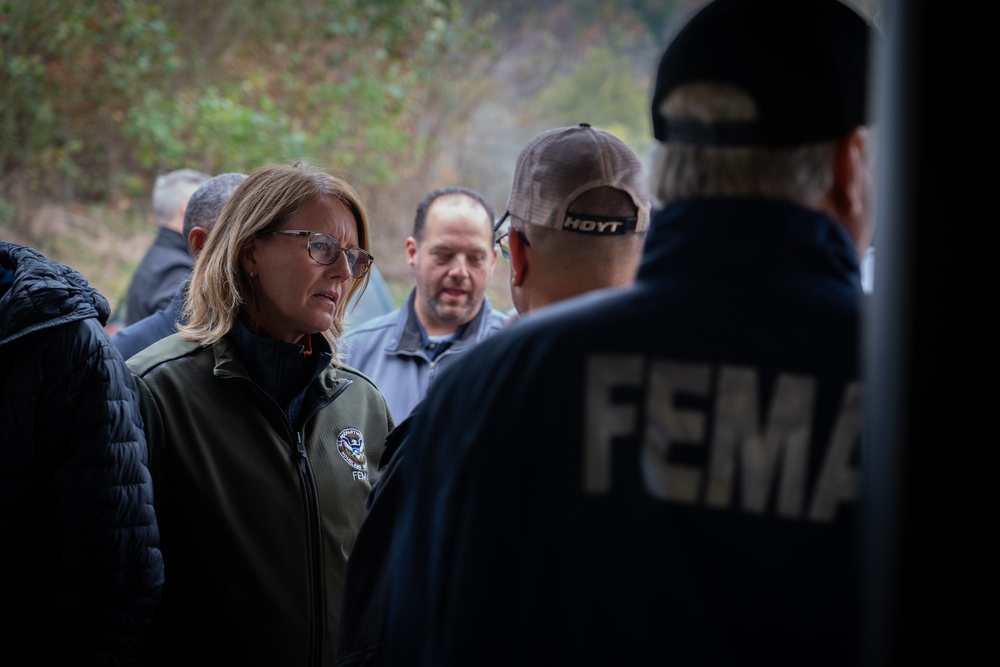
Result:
<point x="518" y="260"/>
<point x="849" y="172"/>
<point x="411" y="250"/>
<point x="196" y="239"/>
<point x="851" y="192"/>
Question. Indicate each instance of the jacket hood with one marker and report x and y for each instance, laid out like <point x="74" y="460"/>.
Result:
<point x="39" y="293"/>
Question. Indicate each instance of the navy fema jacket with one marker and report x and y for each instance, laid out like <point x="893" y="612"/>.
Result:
<point x="80" y="565"/>
<point x="664" y="475"/>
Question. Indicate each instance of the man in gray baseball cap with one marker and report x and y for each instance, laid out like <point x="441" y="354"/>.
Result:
<point x="577" y="216"/>
<point x="580" y="195"/>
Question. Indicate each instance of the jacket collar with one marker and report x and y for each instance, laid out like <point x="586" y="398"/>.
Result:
<point x="410" y="335"/>
<point x="275" y="366"/>
<point x="715" y="239"/>
<point x="172" y="239"/>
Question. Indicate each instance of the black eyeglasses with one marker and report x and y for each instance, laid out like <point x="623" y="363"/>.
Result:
<point x="498" y="224"/>
<point x="325" y="249"/>
<point x="504" y="239"/>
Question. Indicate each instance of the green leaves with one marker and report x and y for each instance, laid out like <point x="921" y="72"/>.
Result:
<point x="98" y="90"/>
<point x="70" y="73"/>
<point x="601" y="90"/>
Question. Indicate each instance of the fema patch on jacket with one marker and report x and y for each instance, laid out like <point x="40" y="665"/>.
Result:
<point x="351" y="444"/>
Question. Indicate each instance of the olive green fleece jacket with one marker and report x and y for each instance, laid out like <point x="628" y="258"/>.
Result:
<point x="256" y="520"/>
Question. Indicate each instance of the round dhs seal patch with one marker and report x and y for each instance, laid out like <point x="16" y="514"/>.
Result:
<point x="351" y="444"/>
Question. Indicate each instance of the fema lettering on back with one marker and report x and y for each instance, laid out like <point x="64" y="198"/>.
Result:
<point x="771" y="459"/>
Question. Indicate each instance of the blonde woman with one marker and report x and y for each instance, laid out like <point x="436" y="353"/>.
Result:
<point x="262" y="443"/>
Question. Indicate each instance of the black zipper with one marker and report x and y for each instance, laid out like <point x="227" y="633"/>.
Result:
<point x="312" y="508"/>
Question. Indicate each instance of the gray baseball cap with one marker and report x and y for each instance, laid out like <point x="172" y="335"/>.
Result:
<point x="559" y="165"/>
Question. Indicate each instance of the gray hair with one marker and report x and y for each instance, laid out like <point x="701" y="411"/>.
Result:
<point x="800" y="174"/>
<point x="172" y="190"/>
<point x="207" y="202"/>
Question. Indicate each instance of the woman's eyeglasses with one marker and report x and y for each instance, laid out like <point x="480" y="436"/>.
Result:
<point x="325" y="249"/>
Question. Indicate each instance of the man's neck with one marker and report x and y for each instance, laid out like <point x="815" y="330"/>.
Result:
<point x="436" y="328"/>
<point x="176" y="224"/>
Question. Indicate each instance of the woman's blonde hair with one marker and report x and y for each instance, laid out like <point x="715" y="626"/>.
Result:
<point x="220" y="290"/>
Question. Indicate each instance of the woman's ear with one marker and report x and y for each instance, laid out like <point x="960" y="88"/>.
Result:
<point x="248" y="257"/>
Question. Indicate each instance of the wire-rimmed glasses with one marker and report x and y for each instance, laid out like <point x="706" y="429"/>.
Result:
<point x="325" y="249"/>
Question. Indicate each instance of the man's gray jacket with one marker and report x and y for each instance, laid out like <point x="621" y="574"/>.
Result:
<point x="390" y="350"/>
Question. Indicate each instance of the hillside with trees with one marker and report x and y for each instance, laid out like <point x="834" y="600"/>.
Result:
<point x="397" y="96"/>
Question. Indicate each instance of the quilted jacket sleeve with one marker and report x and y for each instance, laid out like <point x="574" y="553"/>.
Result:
<point x="108" y="564"/>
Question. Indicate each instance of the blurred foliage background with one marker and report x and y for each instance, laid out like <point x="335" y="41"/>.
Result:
<point x="98" y="97"/>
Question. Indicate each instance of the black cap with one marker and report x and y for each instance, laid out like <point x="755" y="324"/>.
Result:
<point x="804" y="62"/>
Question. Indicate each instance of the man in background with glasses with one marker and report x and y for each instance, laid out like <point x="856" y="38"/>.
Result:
<point x="576" y="218"/>
<point x="452" y="255"/>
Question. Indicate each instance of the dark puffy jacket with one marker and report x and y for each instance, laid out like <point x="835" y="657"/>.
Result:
<point x="80" y="565"/>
